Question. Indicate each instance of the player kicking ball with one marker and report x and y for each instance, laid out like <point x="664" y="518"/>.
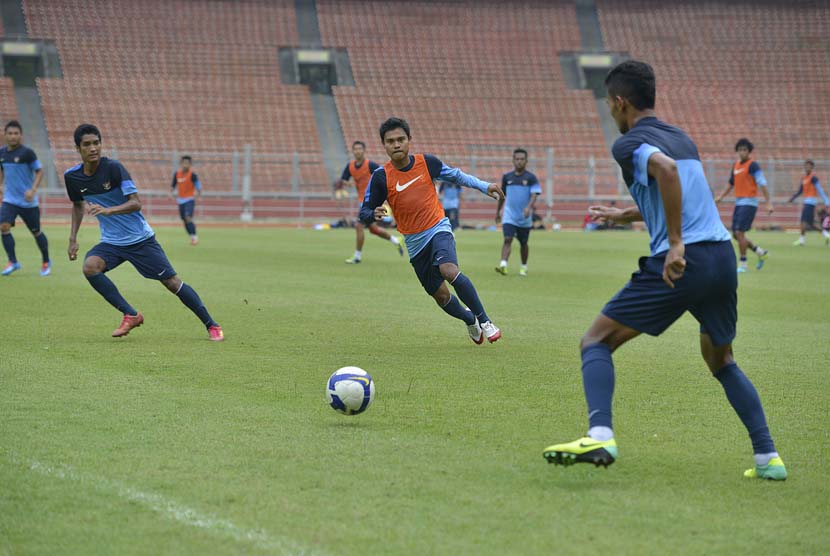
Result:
<point x="691" y="268"/>
<point x="406" y="181"/>
<point x="103" y="188"/>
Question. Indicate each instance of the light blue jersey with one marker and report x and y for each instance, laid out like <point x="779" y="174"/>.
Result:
<point x="518" y="190"/>
<point x="19" y="167"/>
<point x="700" y="218"/>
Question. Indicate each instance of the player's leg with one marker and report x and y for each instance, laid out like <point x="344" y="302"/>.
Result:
<point x="151" y="262"/>
<point x="445" y="256"/>
<point x="509" y="232"/>
<point x="100" y="259"/>
<point x="807" y="217"/>
<point x="523" y="235"/>
<point x="8" y="214"/>
<point x="383" y="234"/>
<point x="740" y="237"/>
<point x="31" y="217"/>
<point x="360" y="237"/>
<point x="189" y="225"/>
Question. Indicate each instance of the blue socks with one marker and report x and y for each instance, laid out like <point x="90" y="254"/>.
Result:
<point x="43" y="245"/>
<point x="191" y="300"/>
<point x="8" y="245"/>
<point x="467" y="292"/>
<point x="455" y="309"/>
<point x="108" y="291"/>
<point x="598" y="381"/>
<point x="190" y="227"/>
<point x="747" y="404"/>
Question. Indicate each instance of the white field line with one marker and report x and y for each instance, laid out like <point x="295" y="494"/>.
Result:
<point x="171" y="509"/>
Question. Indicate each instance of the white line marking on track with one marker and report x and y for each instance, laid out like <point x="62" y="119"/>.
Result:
<point x="170" y="508"/>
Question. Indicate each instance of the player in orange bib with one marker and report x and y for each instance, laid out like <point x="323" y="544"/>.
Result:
<point x="358" y="172"/>
<point x="188" y="188"/>
<point x="811" y="188"/>
<point x="406" y="181"/>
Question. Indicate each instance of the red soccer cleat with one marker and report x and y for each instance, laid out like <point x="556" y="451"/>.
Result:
<point x="216" y="334"/>
<point x="128" y="323"/>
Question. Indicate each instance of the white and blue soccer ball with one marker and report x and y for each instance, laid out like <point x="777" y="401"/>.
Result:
<point x="350" y="390"/>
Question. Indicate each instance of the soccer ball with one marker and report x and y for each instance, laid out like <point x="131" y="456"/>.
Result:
<point x="350" y="390"/>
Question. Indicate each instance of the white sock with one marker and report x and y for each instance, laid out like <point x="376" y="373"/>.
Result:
<point x="503" y="263"/>
<point x="801" y="239"/>
<point x="758" y="250"/>
<point x="825" y="233"/>
<point x="194" y="236"/>
<point x="358" y="254"/>
<point x="763" y="459"/>
<point x="523" y="267"/>
<point x="394" y="240"/>
<point x="601" y="433"/>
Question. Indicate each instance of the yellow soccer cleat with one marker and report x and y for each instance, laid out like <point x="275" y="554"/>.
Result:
<point x="584" y="450"/>
<point x="773" y="471"/>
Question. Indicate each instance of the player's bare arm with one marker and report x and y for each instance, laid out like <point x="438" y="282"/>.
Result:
<point x="494" y="190"/>
<point x="724" y="193"/>
<point x="664" y="170"/>
<point x="133" y="204"/>
<point x="768" y="200"/>
<point x="77" y="218"/>
<point x="615" y="215"/>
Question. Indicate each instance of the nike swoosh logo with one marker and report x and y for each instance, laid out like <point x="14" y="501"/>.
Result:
<point x="583" y="445"/>
<point x="160" y="273"/>
<point x="399" y="187"/>
<point x="739" y="171"/>
<point x="84" y="189"/>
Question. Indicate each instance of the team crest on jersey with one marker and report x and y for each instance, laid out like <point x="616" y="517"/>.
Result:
<point x="106" y="186"/>
<point x="16" y="159"/>
<point x="524" y="182"/>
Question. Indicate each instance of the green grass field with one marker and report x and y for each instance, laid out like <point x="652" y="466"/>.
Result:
<point x="166" y="443"/>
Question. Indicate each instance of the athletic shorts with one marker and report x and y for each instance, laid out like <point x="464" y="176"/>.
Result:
<point x="186" y="209"/>
<point x="808" y="213"/>
<point x="708" y="290"/>
<point x="30" y="216"/>
<point x="146" y="256"/>
<point x="511" y="231"/>
<point x="439" y="250"/>
<point x="742" y="218"/>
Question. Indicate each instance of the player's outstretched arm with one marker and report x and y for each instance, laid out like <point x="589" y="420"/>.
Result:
<point x="724" y="193"/>
<point x="77" y="218"/>
<point x="797" y="193"/>
<point x="602" y="213"/>
<point x="664" y="170"/>
<point x="372" y="208"/>
<point x="132" y="205"/>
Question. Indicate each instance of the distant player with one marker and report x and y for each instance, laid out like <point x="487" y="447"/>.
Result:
<point x="521" y="189"/>
<point x="811" y="189"/>
<point x="450" y="194"/>
<point x="103" y="188"/>
<point x="691" y="268"/>
<point x="824" y="217"/>
<point x="746" y="178"/>
<point x="406" y="181"/>
<point x="21" y="175"/>
<point x="188" y="188"/>
<point x="358" y="172"/>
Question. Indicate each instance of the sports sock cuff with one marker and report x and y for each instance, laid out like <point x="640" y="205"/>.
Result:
<point x="595" y="351"/>
<point x="726" y="369"/>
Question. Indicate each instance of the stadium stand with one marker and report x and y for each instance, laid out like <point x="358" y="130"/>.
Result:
<point x="8" y="106"/>
<point x="194" y="76"/>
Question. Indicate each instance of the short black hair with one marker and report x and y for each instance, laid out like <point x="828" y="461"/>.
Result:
<point x="85" y="129"/>
<point x="519" y="150"/>
<point x="633" y="81"/>
<point x="13" y="123"/>
<point x="810" y="162"/>
<point x="394" y="123"/>
<point x="186" y="157"/>
<point x="361" y="143"/>
<point x="744" y="142"/>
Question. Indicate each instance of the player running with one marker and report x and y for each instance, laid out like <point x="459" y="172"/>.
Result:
<point x="21" y="175"/>
<point x="746" y="178"/>
<point x="406" y="181"/>
<point x="521" y="189"/>
<point x="691" y="268"/>
<point x="358" y="172"/>
<point x="108" y="192"/>
<point x="188" y="188"/>
<point x="811" y="188"/>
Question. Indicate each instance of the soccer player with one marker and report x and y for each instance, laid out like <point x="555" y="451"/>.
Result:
<point x="811" y="188"/>
<point x="691" y="268"/>
<point x="21" y="175"/>
<point x="358" y="172"/>
<point x="103" y="188"/>
<point x="521" y="189"/>
<point x="450" y="194"/>
<point x="746" y="177"/>
<point x="406" y="181"/>
<point x="188" y="188"/>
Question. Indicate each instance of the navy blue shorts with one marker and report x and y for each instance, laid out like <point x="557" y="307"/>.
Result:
<point x="511" y="231"/>
<point x="146" y="256"/>
<point x="30" y="216"/>
<point x="708" y="290"/>
<point x="742" y="218"/>
<point x="439" y="250"/>
<point x="808" y="213"/>
<point x="186" y="209"/>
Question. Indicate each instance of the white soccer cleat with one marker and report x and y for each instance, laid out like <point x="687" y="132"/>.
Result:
<point x="476" y="333"/>
<point x="491" y="331"/>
